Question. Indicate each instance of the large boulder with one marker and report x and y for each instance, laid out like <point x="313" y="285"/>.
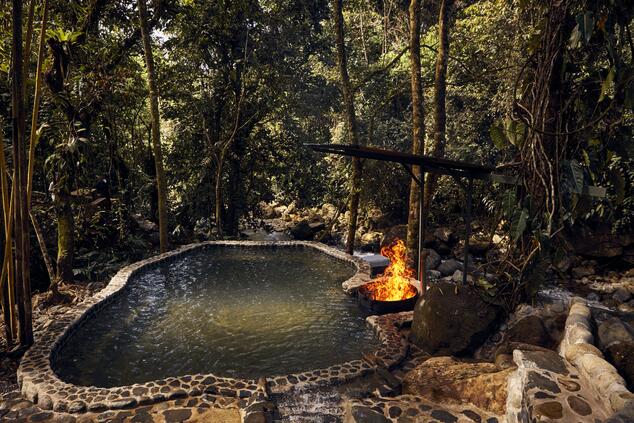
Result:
<point x="447" y="380"/>
<point x="370" y="241"/>
<point x="303" y="230"/>
<point x="452" y="320"/>
<point x="432" y="260"/>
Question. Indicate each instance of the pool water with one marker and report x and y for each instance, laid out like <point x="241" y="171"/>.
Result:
<point x="238" y="312"/>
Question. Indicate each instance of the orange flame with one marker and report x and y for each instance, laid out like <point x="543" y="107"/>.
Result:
<point x="393" y="284"/>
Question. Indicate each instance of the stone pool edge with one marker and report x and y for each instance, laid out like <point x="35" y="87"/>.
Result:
<point x="39" y="383"/>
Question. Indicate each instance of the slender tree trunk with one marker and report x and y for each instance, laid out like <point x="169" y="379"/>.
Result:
<point x="65" y="236"/>
<point x="21" y="212"/>
<point x="156" y="135"/>
<point x="418" y="126"/>
<point x="440" y="90"/>
<point x="33" y="138"/>
<point x="7" y="289"/>
<point x="218" y="195"/>
<point x="353" y="132"/>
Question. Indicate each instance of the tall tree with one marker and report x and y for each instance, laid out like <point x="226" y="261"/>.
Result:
<point x="440" y="91"/>
<point x="351" y="121"/>
<point x="21" y="212"/>
<point x="156" y="134"/>
<point x="418" y="125"/>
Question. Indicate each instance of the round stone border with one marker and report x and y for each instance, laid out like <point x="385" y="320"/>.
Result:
<point x="42" y="386"/>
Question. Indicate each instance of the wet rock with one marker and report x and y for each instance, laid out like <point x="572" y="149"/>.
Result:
<point x="593" y="296"/>
<point x="529" y="330"/>
<point x="449" y="267"/>
<point x="450" y="322"/>
<point x="447" y="380"/>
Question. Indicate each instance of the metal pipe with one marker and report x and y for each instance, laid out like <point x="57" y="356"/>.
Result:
<point x="467" y="221"/>
<point x="422" y="271"/>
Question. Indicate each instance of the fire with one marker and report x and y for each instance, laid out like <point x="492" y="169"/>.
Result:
<point x="393" y="284"/>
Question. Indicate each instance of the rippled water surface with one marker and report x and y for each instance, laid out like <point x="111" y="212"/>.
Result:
<point x="241" y="312"/>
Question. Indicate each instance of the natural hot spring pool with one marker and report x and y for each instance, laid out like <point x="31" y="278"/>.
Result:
<point x="238" y="312"/>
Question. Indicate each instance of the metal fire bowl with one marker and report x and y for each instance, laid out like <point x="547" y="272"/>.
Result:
<point x="384" y="307"/>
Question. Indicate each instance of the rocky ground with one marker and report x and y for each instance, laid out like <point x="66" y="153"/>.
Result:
<point x="563" y="358"/>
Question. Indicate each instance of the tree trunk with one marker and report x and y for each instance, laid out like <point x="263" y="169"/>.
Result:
<point x="65" y="236"/>
<point x="543" y="151"/>
<point x="353" y="133"/>
<point x="218" y="195"/>
<point x="156" y="135"/>
<point x="440" y="90"/>
<point x="418" y="126"/>
<point x="21" y="212"/>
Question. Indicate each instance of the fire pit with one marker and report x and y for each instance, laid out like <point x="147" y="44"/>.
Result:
<point x="395" y="290"/>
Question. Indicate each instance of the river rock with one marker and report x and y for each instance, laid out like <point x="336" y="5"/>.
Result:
<point x="581" y="271"/>
<point x="303" y="230"/>
<point x="622" y="295"/>
<point x="447" y="380"/>
<point x="529" y="330"/>
<point x="370" y="241"/>
<point x="452" y="320"/>
<point x="432" y="260"/>
<point x="445" y="235"/>
<point x="376" y="218"/>
<point x="449" y="267"/>
<point x="616" y="339"/>
<point x="328" y="211"/>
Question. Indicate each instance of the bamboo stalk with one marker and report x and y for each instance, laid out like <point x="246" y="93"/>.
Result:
<point x="7" y="209"/>
<point x="7" y="263"/>
<point x="36" y="106"/>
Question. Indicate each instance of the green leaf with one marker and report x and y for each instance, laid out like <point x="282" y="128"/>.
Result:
<point x="575" y="37"/>
<point x="521" y="224"/>
<point x="497" y="135"/>
<point x="607" y="83"/>
<point x="585" y="23"/>
<point x="515" y="131"/>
